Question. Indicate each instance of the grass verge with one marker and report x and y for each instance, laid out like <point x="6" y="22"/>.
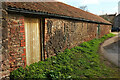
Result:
<point x="79" y="62"/>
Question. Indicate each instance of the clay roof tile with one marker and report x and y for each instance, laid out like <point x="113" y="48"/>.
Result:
<point x="57" y="8"/>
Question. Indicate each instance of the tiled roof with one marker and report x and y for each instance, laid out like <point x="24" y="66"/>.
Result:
<point x="58" y="8"/>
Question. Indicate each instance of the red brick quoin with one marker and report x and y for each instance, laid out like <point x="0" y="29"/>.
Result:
<point x="22" y="31"/>
<point x="16" y="44"/>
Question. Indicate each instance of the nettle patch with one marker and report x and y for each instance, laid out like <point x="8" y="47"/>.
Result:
<point x="79" y="62"/>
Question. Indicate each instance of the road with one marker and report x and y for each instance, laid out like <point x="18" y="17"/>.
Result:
<point x="111" y="50"/>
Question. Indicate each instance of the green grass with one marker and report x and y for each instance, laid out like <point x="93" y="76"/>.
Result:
<point x="79" y="62"/>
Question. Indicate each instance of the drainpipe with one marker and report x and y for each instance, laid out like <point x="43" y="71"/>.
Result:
<point x="42" y="24"/>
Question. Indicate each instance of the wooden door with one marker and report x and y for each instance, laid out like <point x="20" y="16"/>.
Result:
<point x="32" y="33"/>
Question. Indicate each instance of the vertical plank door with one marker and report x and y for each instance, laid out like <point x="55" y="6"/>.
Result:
<point x="32" y="33"/>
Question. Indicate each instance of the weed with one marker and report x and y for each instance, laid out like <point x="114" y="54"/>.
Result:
<point x="79" y="62"/>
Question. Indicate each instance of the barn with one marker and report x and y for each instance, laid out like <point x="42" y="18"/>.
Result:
<point x="33" y="31"/>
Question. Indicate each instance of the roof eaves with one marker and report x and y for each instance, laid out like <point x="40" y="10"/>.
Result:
<point x="21" y="10"/>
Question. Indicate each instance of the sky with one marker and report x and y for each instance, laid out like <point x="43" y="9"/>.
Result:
<point x="98" y="7"/>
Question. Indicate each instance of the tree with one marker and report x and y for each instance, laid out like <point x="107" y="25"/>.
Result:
<point x="84" y="8"/>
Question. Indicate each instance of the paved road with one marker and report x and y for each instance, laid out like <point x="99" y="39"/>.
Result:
<point x="111" y="50"/>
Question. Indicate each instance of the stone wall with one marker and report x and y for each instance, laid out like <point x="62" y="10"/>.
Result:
<point x="4" y="57"/>
<point x="104" y="29"/>
<point x="61" y="34"/>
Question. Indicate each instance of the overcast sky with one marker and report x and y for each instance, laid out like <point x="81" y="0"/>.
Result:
<point x="96" y="6"/>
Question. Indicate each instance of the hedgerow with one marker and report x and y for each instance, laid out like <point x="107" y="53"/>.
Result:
<point x="79" y="62"/>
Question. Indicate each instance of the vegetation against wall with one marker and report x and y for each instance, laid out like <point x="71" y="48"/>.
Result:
<point x="79" y="62"/>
